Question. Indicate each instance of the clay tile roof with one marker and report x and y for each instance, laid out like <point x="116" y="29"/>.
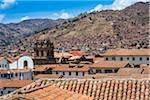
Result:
<point x="146" y="70"/>
<point x="129" y="71"/>
<point x="77" y="53"/>
<point x="78" y="89"/>
<point x="110" y="64"/>
<point x="66" y="68"/>
<point x="45" y="67"/>
<point x="128" y="52"/>
<point x="62" y="54"/>
<point x="74" y="57"/>
<point x="14" y="83"/>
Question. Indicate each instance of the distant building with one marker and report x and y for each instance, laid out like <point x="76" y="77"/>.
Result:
<point x="71" y="71"/>
<point x="24" y="62"/>
<point x="43" y="51"/>
<point x="4" y="63"/>
<point x="107" y="66"/>
<point x="8" y="86"/>
<point x="133" y="56"/>
<point x="18" y="74"/>
<point x="65" y="70"/>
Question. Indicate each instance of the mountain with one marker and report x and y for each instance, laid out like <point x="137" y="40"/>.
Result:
<point x="100" y="30"/>
<point x="10" y="33"/>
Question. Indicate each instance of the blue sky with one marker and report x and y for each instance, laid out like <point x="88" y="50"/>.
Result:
<point x="18" y="10"/>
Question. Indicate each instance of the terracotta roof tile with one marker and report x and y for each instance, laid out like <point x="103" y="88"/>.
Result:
<point x="14" y="83"/>
<point x="128" y="52"/>
<point x="96" y="89"/>
<point x="110" y="64"/>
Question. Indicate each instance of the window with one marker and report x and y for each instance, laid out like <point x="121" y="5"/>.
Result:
<point x="11" y="75"/>
<point x="56" y="72"/>
<point x="133" y="58"/>
<point x="121" y="59"/>
<point x="127" y="58"/>
<point x="42" y="53"/>
<point x="108" y="71"/>
<point x="63" y="73"/>
<point x="9" y="91"/>
<point x="83" y="74"/>
<point x="113" y="58"/>
<point x="5" y="65"/>
<point x="0" y="65"/>
<point x="37" y="53"/>
<point x="25" y="64"/>
<point x="16" y="74"/>
<point x="140" y="58"/>
<point x="147" y="58"/>
<point x="69" y="73"/>
<point x="98" y="71"/>
<point x="1" y="92"/>
<point x="76" y="73"/>
<point x="106" y="58"/>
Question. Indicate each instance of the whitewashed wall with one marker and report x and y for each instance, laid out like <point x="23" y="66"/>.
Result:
<point x="73" y="74"/>
<point x="22" y="76"/>
<point x="19" y="64"/>
<point x="4" y="64"/>
<point x="131" y="61"/>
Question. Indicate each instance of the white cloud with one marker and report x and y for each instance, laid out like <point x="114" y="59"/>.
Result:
<point x="25" y="18"/>
<point x="2" y="17"/>
<point x="5" y="4"/>
<point x="62" y="15"/>
<point x="117" y="5"/>
<point x="65" y="15"/>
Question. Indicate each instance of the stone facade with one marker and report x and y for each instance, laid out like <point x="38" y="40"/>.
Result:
<point x="43" y="51"/>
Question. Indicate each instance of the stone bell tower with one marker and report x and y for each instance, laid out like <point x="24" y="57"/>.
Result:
<point x="43" y="51"/>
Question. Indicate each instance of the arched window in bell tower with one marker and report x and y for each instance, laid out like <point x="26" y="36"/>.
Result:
<point x="37" y="53"/>
<point x="42" y="53"/>
<point x="47" y="53"/>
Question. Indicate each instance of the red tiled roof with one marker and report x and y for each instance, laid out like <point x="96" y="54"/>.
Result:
<point x="109" y="64"/>
<point x="77" y="53"/>
<point x="8" y="83"/>
<point x="66" y="68"/>
<point x="97" y="89"/>
<point x="128" y="52"/>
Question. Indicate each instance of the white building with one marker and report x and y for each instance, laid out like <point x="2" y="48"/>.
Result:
<point x="18" y="74"/>
<point x="71" y="71"/>
<point x="133" y="56"/>
<point x="107" y="66"/>
<point x="24" y="62"/>
<point x="4" y="63"/>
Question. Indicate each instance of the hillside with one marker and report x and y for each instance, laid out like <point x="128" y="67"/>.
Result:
<point x="127" y="28"/>
<point x="10" y="33"/>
